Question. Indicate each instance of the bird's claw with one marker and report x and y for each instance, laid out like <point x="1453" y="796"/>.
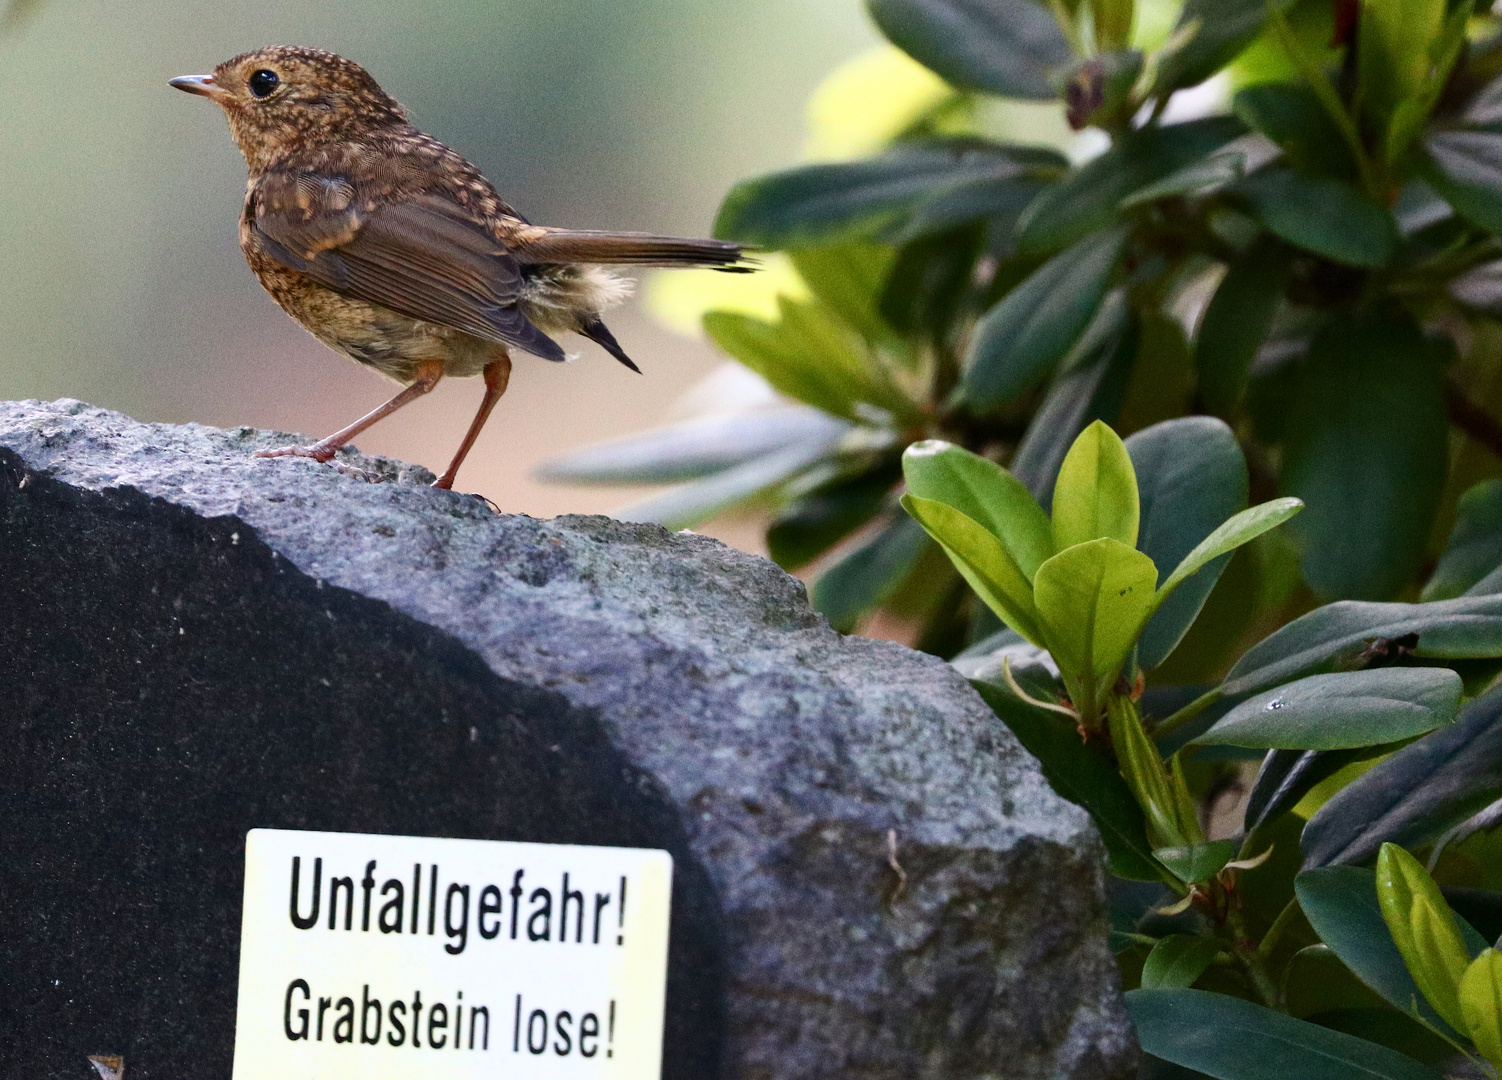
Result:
<point x="322" y="454"/>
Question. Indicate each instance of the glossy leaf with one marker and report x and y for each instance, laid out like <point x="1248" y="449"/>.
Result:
<point x="694" y="448"/>
<point x="1321" y="215"/>
<point x="1342" y="711"/>
<point x="1341" y="904"/>
<point x="1481" y="1005"/>
<point x="1029" y="331"/>
<point x="1095" y="495"/>
<point x="1475" y="546"/>
<point x="1232" y="1039"/>
<point x="1088" y="199"/>
<point x="1465" y="167"/>
<point x="1241" y="529"/>
<point x="1367" y="448"/>
<point x="1468" y="627"/>
<point x="1417" y="794"/>
<point x="1286" y="776"/>
<point x="1005" y="47"/>
<point x="1088" y="388"/>
<point x="1423" y="930"/>
<point x="982" y="561"/>
<point x="1177" y="960"/>
<point x="858" y="200"/>
<point x="1192" y="181"/>
<point x="1084" y="776"/>
<point x="1092" y="601"/>
<point x="868" y="576"/>
<point x="1236" y="323"/>
<point x="807" y="356"/>
<point x="1197" y="862"/>
<point x="1220" y="30"/>
<point x="985" y="492"/>
<point x="1191" y="477"/>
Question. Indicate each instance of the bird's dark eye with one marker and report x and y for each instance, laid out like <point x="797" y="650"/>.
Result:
<point x="263" y="82"/>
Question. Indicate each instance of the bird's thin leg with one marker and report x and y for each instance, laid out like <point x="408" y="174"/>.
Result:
<point x="497" y="375"/>
<point x="428" y="374"/>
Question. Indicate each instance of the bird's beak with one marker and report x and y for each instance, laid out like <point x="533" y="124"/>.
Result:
<point x="203" y="85"/>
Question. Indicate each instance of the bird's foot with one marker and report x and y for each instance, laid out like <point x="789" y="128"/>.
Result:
<point x="319" y="453"/>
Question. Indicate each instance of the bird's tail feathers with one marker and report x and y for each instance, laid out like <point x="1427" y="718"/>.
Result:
<point x="633" y="249"/>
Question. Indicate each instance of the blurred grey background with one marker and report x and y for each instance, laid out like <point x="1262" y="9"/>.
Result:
<point x="121" y="282"/>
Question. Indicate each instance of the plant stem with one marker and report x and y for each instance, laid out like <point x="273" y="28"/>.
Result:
<point x="1252" y="960"/>
<point x="1279" y="927"/>
<point x="1169" y="725"/>
<point x="1327" y="95"/>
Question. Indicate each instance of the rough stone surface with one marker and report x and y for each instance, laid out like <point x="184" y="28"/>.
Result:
<point x="193" y="642"/>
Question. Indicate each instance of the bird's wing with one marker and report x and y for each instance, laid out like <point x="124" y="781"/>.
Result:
<point x="424" y="257"/>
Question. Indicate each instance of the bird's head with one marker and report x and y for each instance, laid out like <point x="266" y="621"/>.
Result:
<point x="285" y="98"/>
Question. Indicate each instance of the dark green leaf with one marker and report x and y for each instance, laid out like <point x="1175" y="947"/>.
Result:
<point x="1322" y="215"/>
<point x="930" y="280"/>
<point x="1191" y="476"/>
<point x="1342" y="711"/>
<point x="1197" y="862"/>
<point x="1088" y="199"/>
<point x="1291" y="115"/>
<point x="1232" y="1039"/>
<point x="807" y="528"/>
<point x="1341" y="904"/>
<point x="694" y="448"/>
<point x="1417" y="794"/>
<point x="1023" y="337"/>
<point x="982" y="199"/>
<point x="1475" y="547"/>
<point x="858" y="200"/>
<point x="1082" y="775"/>
<point x="1236" y="323"/>
<point x="1177" y="960"/>
<point x="1089" y="388"/>
<point x="868" y="576"/>
<point x="1469" y="627"/>
<point x="1004" y="47"/>
<point x="1286" y="776"/>
<point x="1367" y="450"/>
<point x="1465" y="167"/>
<point x="1197" y="180"/>
<point x="1224" y="29"/>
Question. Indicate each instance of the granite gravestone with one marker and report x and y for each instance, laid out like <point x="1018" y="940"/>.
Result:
<point x="870" y="877"/>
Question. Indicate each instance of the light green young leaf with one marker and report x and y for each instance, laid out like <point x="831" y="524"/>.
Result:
<point x="979" y="557"/>
<point x="1423" y="929"/>
<point x="810" y="356"/>
<point x="1092" y="601"/>
<point x="1481" y="1005"/>
<point x="1244" y="527"/>
<point x="1394" y="42"/>
<point x="1177" y="960"/>
<point x="985" y="492"/>
<point x="1095" y="495"/>
<point x="1146" y="776"/>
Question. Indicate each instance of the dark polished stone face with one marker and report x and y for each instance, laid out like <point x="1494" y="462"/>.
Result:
<point x="167" y="683"/>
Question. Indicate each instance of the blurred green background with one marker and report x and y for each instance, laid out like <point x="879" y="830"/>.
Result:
<point x="121" y="282"/>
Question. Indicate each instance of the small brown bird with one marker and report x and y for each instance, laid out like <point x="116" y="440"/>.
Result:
<point x="392" y="249"/>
